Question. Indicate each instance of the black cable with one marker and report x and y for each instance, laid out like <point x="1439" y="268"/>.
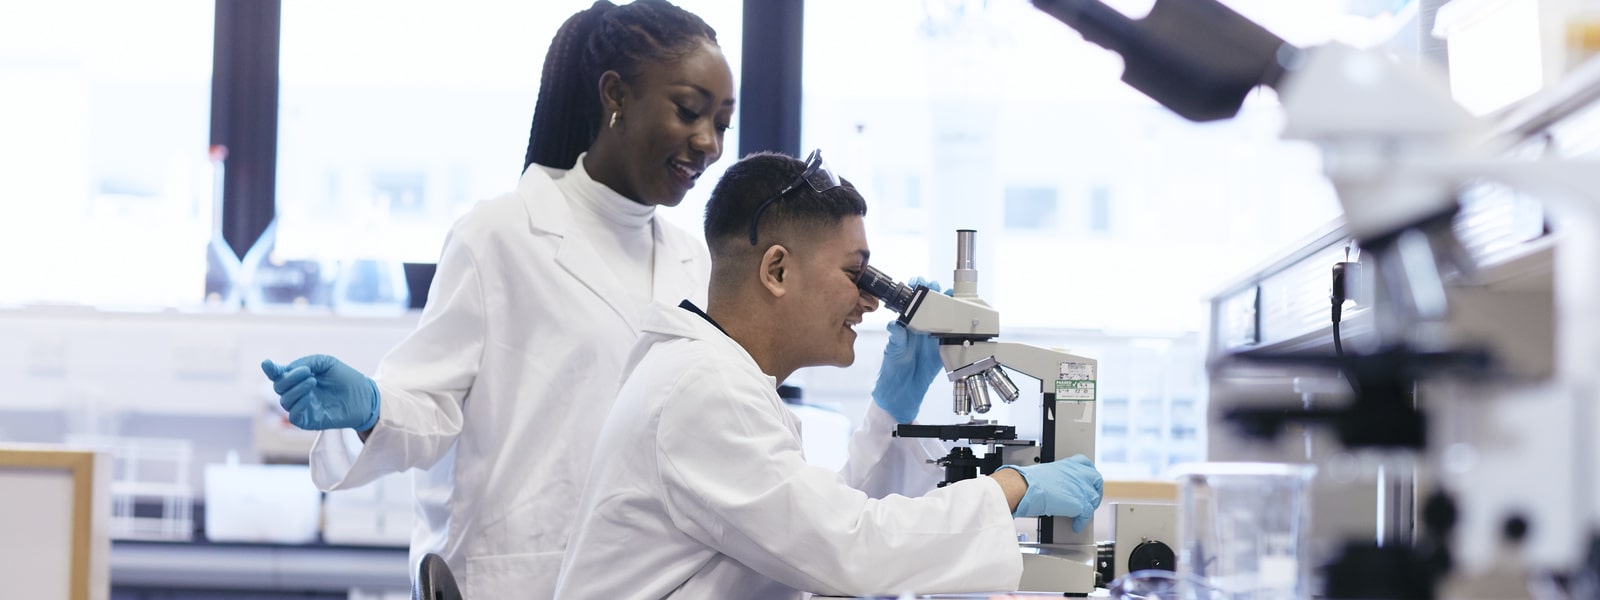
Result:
<point x="1341" y="290"/>
<point x="1337" y="297"/>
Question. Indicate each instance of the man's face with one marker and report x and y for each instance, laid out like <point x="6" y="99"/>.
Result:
<point x="825" y="304"/>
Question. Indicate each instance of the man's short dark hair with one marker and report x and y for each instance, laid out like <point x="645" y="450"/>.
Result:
<point x="754" y="179"/>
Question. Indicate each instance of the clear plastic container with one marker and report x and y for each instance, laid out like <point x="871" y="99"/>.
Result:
<point x="371" y="288"/>
<point x="1243" y="531"/>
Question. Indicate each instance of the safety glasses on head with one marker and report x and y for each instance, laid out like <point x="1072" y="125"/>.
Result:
<point x="817" y="175"/>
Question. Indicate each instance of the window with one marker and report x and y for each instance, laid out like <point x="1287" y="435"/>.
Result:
<point x="104" y="174"/>
<point x="1100" y="209"/>
<point x="397" y="116"/>
<point x="1030" y="208"/>
<point x="993" y="104"/>
<point x="1011" y="121"/>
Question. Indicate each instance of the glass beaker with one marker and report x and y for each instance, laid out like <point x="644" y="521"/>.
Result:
<point x="371" y="287"/>
<point x="1243" y="530"/>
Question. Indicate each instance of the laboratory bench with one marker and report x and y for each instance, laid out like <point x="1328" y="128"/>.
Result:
<point x="167" y="570"/>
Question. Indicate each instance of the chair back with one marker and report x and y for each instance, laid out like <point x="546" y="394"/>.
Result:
<point x="434" y="581"/>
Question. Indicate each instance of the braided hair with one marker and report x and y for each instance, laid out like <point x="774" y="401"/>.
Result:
<point x="604" y="37"/>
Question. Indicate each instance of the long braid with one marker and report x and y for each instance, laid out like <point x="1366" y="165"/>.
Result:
<point x="604" y="37"/>
<point x="564" y="116"/>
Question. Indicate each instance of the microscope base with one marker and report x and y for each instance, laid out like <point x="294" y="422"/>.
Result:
<point x="1069" y="569"/>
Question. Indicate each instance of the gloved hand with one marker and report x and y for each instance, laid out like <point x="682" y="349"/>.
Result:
<point x="910" y="362"/>
<point x="322" y="393"/>
<point x="1064" y="488"/>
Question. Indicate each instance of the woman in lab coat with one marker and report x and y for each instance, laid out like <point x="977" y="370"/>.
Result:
<point x="703" y="490"/>
<point x="498" y="396"/>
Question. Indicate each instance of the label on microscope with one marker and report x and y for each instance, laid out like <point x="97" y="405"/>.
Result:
<point x="1076" y="383"/>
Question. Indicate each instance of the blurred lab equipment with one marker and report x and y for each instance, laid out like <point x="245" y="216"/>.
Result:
<point x="276" y="284"/>
<point x="1158" y="584"/>
<point x="1143" y="539"/>
<point x="1060" y="559"/>
<point x="371" y="287"/>
<point x="1243" y="529"/>
<point x="370" y="281"/>
<point x="261" y="503"/>
<point x="223" y="290"/>
<point x="1488" y="385"/>
<point x="146" y="472"/>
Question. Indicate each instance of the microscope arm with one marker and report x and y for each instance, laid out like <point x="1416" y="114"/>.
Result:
<point x="1196" y="57"/>
<point x="1042" y="364"/>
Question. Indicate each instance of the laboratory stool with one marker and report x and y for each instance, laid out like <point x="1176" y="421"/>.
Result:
<point x="434" y="581"/>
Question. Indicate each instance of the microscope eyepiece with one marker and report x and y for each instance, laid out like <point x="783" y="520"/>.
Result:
<point x="895" y="295"/>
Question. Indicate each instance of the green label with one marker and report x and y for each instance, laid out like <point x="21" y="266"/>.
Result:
<point x="1075" y="390"/>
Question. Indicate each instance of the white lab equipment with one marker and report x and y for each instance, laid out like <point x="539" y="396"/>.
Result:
<point x="1144" y="537"/>
<point x="261" y="504"/>
<point x="1057" y="559"/>
<point x="146" y="471"/>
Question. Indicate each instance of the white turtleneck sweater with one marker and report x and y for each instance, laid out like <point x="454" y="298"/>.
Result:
<point x="619" y="229"/>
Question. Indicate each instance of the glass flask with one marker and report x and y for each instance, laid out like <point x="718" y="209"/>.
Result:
<point x="223" y="290"/>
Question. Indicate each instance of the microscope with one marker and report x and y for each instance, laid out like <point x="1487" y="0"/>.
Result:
<point x="966" y="327"/>
<point x="1506" y="454"/>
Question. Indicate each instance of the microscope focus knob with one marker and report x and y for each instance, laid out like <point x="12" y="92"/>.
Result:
<point x="1152" y="554"/>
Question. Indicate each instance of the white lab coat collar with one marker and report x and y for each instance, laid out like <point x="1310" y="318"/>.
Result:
<point x="550" y="213"/>
<point x="664" y="322"/>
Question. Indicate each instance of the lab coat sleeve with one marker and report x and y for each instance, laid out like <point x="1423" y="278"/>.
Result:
<point x="881" y="464"/>
<point x="422" y="383"/>
<point x="734" y="479"/>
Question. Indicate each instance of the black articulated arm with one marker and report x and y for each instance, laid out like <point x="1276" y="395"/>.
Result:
<point x="1196" y="57"/>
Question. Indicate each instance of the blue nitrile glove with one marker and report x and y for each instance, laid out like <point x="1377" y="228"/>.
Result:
<point x="1064" y="488"/>
<point x="322" y="393"/>
<point x="910" y="362"/>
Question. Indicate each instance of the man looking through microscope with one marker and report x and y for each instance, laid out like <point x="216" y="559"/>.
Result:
<point x="699" y="488"/>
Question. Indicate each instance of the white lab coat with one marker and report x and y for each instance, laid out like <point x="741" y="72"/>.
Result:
<point x="499" y="394"/>
<point x="700" y="491"/>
